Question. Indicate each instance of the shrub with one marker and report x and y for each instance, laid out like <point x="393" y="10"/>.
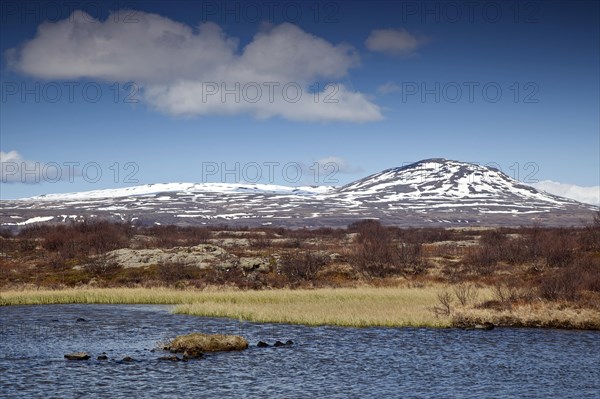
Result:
<point x="410" y="257"/>
<point x="465" y="293"/>
<point x="480" y="260"/>
<point x="444" y="306"/>
<point x="374" y="255"/>
<point x="102" y="265"/>
<point x="300" y="266"/>
<point x="569" y="283"/>
<point x="173" y="272"/>
<point x="260" y="242"/>
<point x="589" y="239"/>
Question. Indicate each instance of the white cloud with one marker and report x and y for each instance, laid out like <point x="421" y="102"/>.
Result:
<point x="588" y="195"/>
<point x="387" y="88"/>
<point x="326" y="171"/>
<point x="339" y="164"/>
<point x="11" y="164"/>
<point x="16" y="169"/>
<point x="394" y="41"/>
<point x="175" y="64"/>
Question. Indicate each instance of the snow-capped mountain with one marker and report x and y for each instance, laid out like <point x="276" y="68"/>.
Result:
<point x="427" y="193"/>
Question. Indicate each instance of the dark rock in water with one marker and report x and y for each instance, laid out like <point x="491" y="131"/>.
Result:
<point x="81" y="320"/>
<point x="128" y="359"/>
<point x="262" y="344"/>
<point x="102" y="357"/>
<point x="172" y="358"/>
<point x="279" y="343"/>
<point x="77" y="356"/>
<point x="192" y="354"/>
<point x="485" y="326"/>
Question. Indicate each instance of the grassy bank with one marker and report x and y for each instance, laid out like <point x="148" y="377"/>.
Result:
<point x="359" y="307"/>
<point x="354" y="307"/>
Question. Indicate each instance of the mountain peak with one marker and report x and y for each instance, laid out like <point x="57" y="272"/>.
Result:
<point x="429" y="192"/>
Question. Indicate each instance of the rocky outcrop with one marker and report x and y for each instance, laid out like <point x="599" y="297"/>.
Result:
<point x="257" y="264"/>
<point x="202" y="256"/>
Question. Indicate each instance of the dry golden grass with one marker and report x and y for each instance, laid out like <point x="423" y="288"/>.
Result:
<point x="97" y="296"/>
<point x="359" y="307"/>
<point x="197" y="342"/>
<point x="354" y="307"/>
<point x="539" y="314"/>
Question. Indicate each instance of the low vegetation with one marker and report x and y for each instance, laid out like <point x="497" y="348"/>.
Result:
<point x="366" y="274"/>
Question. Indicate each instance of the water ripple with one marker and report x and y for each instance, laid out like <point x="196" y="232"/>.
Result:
<point x="324" y="361"/>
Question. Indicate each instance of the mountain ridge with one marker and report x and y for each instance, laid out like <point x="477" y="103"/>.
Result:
<point x="430" y="192"/>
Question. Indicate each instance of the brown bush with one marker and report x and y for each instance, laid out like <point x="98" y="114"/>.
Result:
<point x="465" y="293"/>
<point x="300" y="266"/>
<point x="569" y="283"/>
<point x="82" y="239"/>
<point x="102" y="265"/>
<point x="589" y="239"/>
<point x="260" y="242"/>
<point x="410" y="258"/>
<point x="374" y="254"/>
<point x="170" y="236"/>
<point x="480" y="260"/>
<point x="173" y="272"/>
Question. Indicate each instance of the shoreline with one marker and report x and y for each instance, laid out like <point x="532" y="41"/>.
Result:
<point x="341" y="307"/>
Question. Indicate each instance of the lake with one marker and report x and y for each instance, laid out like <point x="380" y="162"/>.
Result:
<point x="323" y="361"/>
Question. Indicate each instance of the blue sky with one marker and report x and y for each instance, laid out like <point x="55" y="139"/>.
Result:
<point x="513" y="84"/>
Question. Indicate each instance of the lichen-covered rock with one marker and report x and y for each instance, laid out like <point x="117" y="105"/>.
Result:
<point x="259" y="264"/>
<point x="202" y="256"/>
<point x="192" y="345"/>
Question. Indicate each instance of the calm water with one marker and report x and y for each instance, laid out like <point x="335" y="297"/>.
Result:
<point x="323" y="362"/>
